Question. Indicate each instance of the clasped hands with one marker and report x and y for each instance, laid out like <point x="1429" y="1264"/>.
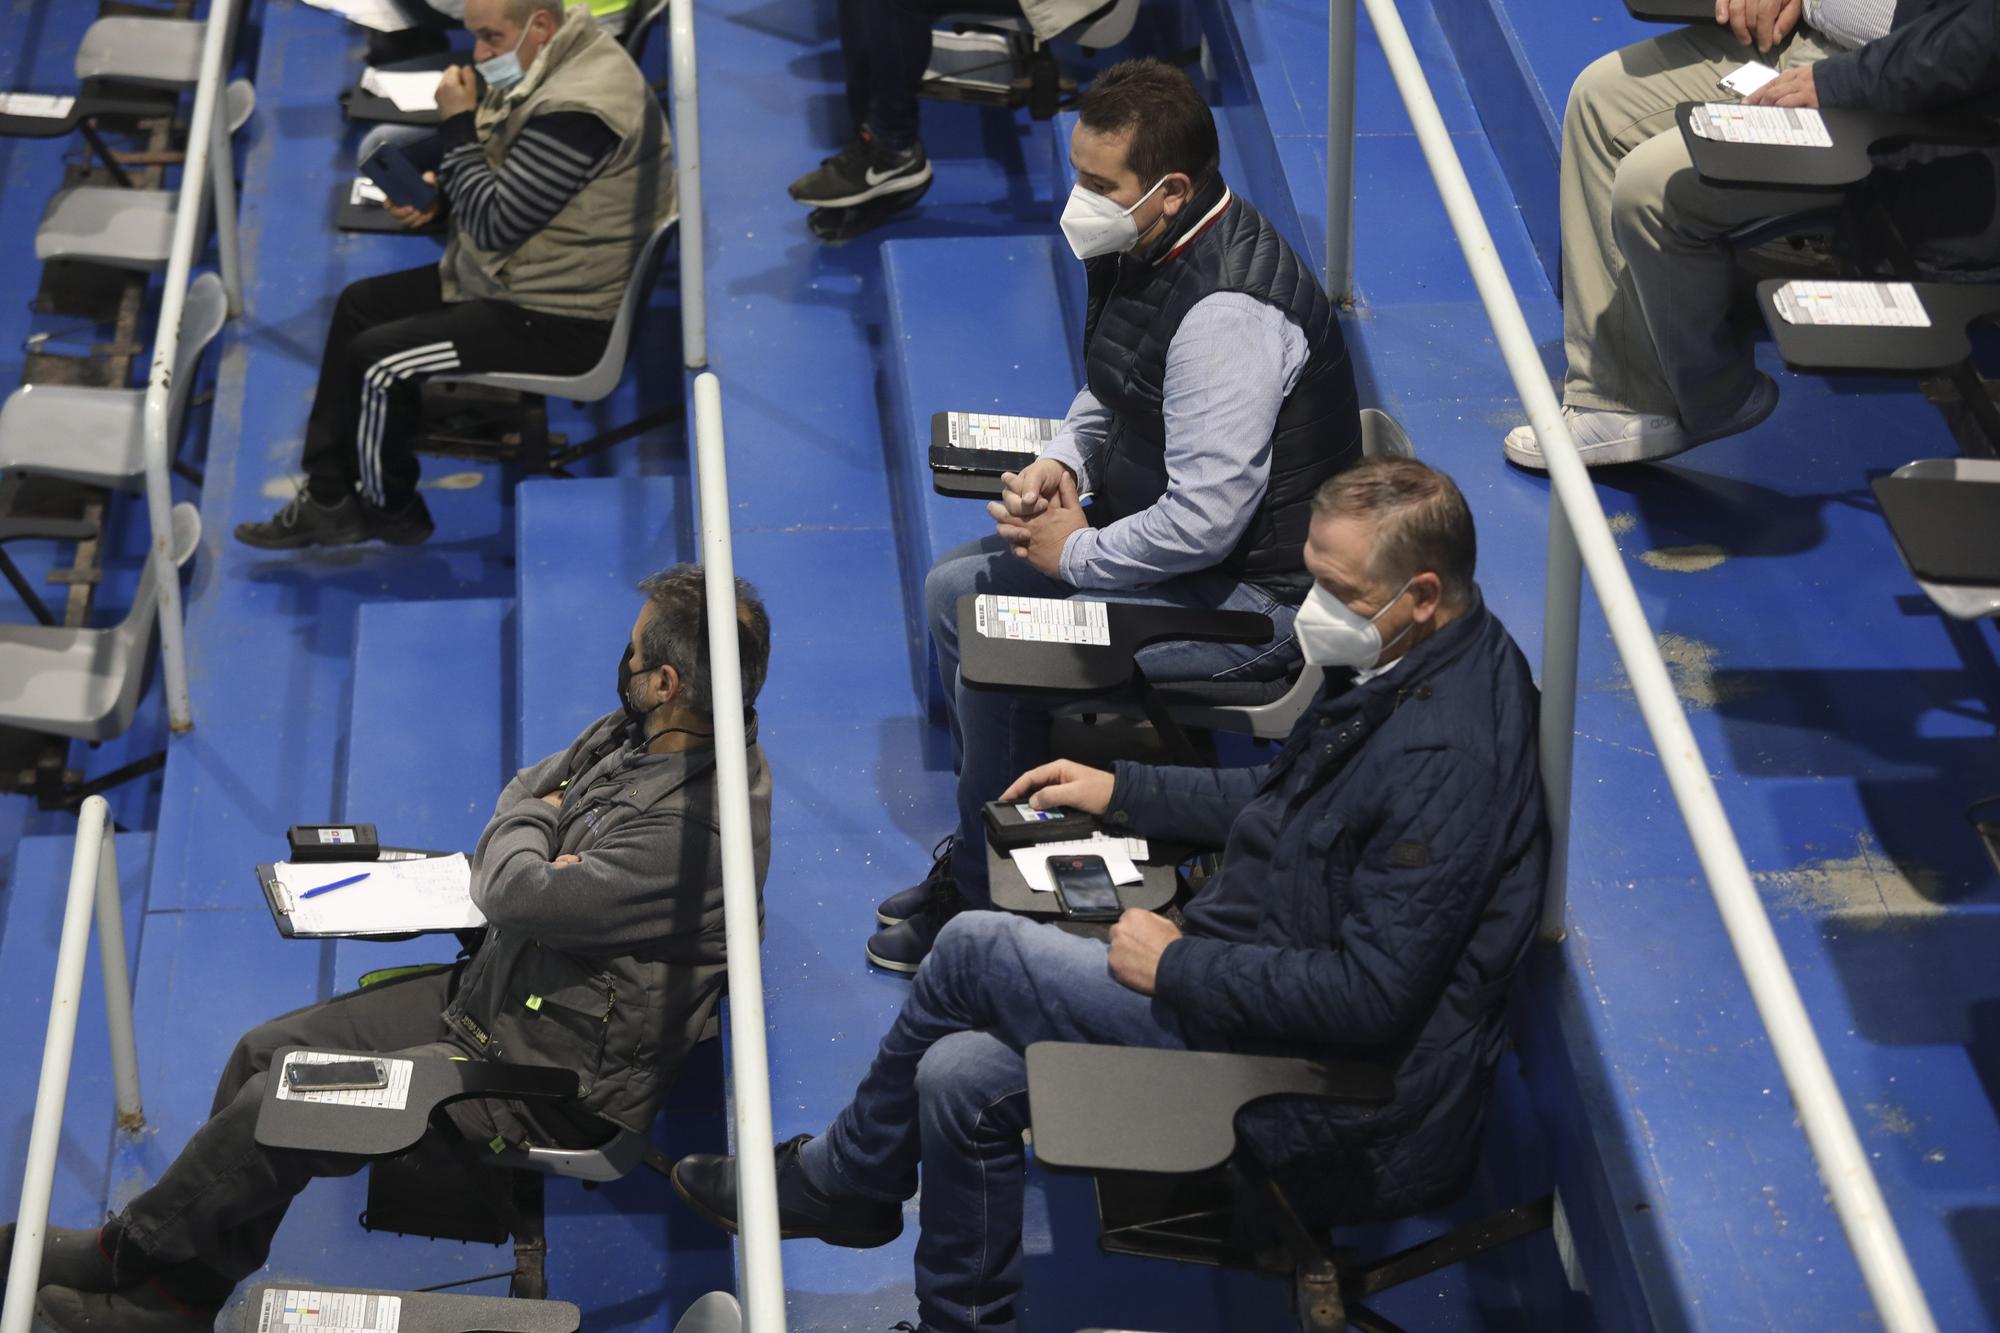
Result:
<point x="1037" y="510"/>
<point x="1137" y="938"/>
<point x="1764" y="24"/>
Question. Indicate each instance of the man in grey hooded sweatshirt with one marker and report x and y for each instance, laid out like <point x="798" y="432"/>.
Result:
<point x="600" y="876"/>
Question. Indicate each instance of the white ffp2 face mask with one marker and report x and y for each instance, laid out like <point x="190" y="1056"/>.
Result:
<point x="1332" y="635"/>
<point x="1093" y="225"/>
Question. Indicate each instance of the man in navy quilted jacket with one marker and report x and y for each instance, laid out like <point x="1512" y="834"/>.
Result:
<point x="1380" y="882"/>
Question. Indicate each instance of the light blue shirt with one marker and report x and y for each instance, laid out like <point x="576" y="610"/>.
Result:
<point x="1232" y="362"/>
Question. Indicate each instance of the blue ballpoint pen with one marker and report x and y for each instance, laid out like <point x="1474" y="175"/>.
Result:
<point x="337" y="884"/>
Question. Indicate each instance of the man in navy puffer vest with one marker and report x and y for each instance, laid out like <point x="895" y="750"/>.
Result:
<point x="1380" y="883"/>
<point x="1218" y="396"/>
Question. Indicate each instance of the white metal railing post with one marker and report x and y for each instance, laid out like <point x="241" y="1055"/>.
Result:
<point x="117" y="980"/>
<point x="762" y="1281"/>
<point x="1856" y="1197"/>
<point x="93" y="879"/>
<point x="188" y="215"/>
<point x="687" y="167"/>
<point x="1340" y="25"/>
<point x="222" y="198"/>
<point x="1562" y="611"/>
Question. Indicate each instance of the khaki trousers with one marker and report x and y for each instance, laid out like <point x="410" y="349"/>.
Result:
<point x="1646" y="282"/>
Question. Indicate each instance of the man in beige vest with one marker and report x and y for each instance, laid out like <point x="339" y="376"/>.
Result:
<point x="886" y="45"/>
<point x="554" y="167"/>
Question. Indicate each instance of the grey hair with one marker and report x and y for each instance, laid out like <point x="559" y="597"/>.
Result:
<point x="677" y="635"/>
<point x="1422" y="523"/>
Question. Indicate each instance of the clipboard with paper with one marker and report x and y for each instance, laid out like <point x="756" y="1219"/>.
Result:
<point x="406" y="892"/>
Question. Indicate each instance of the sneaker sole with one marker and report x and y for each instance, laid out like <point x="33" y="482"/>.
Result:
<point x="894" y="185"/>
<point x="901" y="969"/>
<point x="887" y="921"/>
<point x="846" y="1240"/>
<point x="355" y="540"/>
<point x="1635" y="450"/>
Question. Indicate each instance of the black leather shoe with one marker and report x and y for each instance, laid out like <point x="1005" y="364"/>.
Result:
<point x="708" y="1182"/>
<point x="904" y="946"/>
<point x="306" y="522"/>
<point x="135" y="1310"/>
<point x="900" y="906"/>
<point x="405" y="525"/>
<point x="71" y="1257"/>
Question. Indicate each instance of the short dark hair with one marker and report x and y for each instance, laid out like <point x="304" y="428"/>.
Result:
<point x="1172" y="128"/>
<point x="677" y="635"/>
<point x="1422" y="522"/>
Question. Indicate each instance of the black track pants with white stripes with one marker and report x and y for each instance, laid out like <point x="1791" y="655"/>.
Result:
<point x="391" y="333"/>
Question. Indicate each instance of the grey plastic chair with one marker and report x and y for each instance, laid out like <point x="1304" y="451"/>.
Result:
<point x="121" y="228"/>
<point x="98" y="436"/>
<point x="85" y="683"/>
<point x="601" y="379"/>
<point x="1958" y="600"/>
<point x="145" y="52"/>
<point x="1108" y="27"/>
<point x="532" y="444"/>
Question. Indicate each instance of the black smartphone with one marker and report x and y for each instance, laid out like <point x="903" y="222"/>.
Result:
<point x="336" y="1076"/>
<point x="398" y="178"/>
<point x="1084" y="889"/>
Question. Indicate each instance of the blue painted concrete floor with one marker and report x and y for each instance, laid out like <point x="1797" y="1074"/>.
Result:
<point x="1845" y="721"/>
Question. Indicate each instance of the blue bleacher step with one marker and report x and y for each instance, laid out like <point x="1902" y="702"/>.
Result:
<point x="976" y="324"/>
<point x="582" y="546"/>
<point x="28" y="943"/>
<point x="427" y="741"/>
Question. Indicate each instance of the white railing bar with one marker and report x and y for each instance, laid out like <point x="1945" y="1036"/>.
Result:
<point x="1871" y="1232"/>
<point x="687" y="166"/>
<point x="93" y="880"/>
<point x="1562" y="612"/>
<point x="762" y="1277"/>
<point x="1340" y="151"/>
<point x="201" y="142"/>
<point x="222" y="198"/>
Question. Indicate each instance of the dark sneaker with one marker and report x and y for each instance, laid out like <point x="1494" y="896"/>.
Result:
<point x="708" y="1182"/>
<point x="861" y="171"/>
<point x="71" y="1257"/>
<point x="405" y="525"/>
<point x="901" y="906"/>
<point x="306" y="522"/>
<point x="904" y="946"/>
<point x="138" y="1310"/>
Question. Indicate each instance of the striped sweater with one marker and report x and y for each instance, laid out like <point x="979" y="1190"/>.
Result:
<point x="553" y="158"/>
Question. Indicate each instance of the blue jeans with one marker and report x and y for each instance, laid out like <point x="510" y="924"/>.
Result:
<point x="949" y="1089"/>
<point x="997" y="736"/>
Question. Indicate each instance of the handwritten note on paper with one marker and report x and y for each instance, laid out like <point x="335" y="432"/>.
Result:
<point x="429" y="893"/>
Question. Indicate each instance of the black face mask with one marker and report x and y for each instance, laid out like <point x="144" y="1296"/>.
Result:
<point x="633" y="713"/>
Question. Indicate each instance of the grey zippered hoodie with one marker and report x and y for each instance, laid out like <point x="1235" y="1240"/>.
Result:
<point x="612" y="966"/>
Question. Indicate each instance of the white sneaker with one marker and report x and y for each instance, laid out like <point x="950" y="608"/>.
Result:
<point x="1602" y="438"/>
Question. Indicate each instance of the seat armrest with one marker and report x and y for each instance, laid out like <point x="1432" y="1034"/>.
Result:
<point x="1951" y="307"/>
<point x="996" y="662"/>
<point x="17" y="527"/>
<point x="1856" y="136"/>
<point x="1129" y="1108"/>
<point x="419" y="1085"/>
<point x="87" y="106"/>
<point x="428" y="1311"/>
<point x="1671" y="11"/>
